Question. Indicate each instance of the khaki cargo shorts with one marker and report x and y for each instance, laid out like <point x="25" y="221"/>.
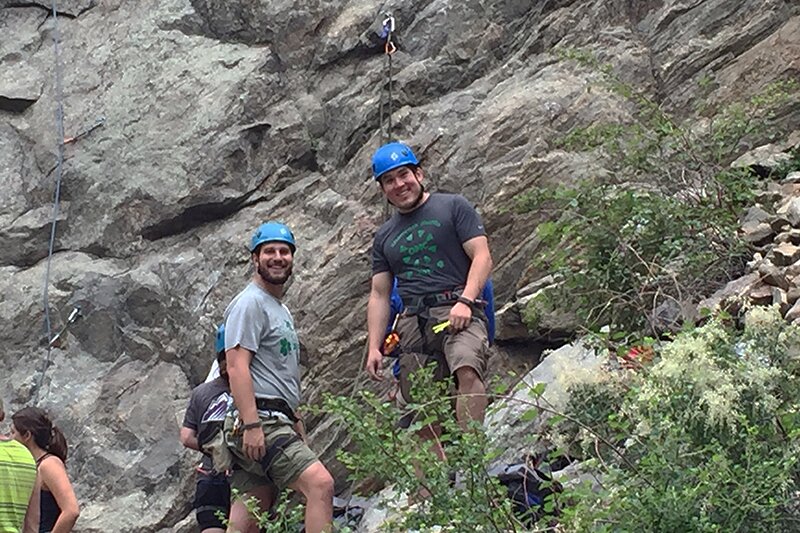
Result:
<point x="286" y="466"/>
<point x="448" y="352"/>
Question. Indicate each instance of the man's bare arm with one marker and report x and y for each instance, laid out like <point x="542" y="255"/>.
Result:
<point x="32" y="514"/>
<point x="377" y="320"/>
<point x="477" y="249"/>
<point x="238" y="364"/>
<point x="188" y="438"/>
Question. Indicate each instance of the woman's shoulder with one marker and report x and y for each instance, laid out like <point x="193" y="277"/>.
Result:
<point x="52" y="471"/>
<point x="50" y="465"/>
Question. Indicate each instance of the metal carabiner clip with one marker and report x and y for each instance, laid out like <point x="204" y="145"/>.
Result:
<point x="388" y="23"/>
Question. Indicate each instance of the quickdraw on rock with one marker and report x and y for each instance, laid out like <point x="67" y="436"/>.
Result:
<point x="387" y="31"/>
<point x="57" y="340"/>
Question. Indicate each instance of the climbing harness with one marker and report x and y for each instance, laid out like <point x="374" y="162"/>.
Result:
<point x="389" y="48"/>
<point x="392" y="340"/>
<point x="276" y="407"/>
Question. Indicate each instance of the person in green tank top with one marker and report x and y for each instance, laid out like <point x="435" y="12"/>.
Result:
<point x="19" y="486"/>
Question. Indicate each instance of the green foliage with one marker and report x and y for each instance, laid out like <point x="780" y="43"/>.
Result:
<point x="705" y="440"/>
<point x="539" y="305"/>
<point x="660" y="227"/>
<point x="284" y="517"/>
<point x="399" y="457"/>
<point x="704" y="437"/>
<point x="790" y="165"/>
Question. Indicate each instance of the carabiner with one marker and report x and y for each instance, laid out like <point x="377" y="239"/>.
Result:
<point x="388" y="23"/>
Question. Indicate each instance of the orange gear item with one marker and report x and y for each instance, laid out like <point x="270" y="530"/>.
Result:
<point x="391" y="342"/>
<point x="637" y="357"/>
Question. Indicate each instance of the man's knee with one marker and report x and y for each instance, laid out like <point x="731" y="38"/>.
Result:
<point x="468" y="378"/>
<point x="430" y="432"/>
<point x="316" y="480"/>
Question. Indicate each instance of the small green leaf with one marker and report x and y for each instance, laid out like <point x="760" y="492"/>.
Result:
<point x="529" y="415"/>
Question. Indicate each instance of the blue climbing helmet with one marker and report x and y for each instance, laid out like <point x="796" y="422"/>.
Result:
<point x="272" y="231"/>
<point x="220" y="344"/>
<point x="391" y="156"/>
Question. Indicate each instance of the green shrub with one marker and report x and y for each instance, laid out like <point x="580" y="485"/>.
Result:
<point x="659" y="229"/>
<point x="398" y="457"/>
<point x="707" y="438"/>
<point x="285" y="516"/>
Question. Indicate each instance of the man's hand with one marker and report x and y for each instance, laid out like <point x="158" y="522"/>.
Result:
<point x="253" y="443"/>
<point x="460" y="316"/>
<point x="375" y="364"/>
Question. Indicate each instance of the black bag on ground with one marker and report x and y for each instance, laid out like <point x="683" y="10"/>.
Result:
<point x="528" y="488"/>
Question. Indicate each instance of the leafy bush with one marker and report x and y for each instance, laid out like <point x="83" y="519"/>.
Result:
<point x="707" y="438"/>
<point x="703" y="435"/>
<point x="474" y="500"/>
<point x="284" y="517"/>
<point x="660" y="227"/>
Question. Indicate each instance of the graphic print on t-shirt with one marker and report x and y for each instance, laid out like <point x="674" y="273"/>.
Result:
<point x="418" y="249"/>
<point x="288" y="342"/>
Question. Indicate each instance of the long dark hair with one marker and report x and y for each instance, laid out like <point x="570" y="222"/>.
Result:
<point x="45" y="434"/>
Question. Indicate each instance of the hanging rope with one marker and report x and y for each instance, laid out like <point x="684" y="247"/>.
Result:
<point x="59" y="98"/>
<point x="389" y="49"/>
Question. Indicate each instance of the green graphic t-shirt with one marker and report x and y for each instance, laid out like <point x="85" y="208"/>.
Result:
<point x="423" y="249"/>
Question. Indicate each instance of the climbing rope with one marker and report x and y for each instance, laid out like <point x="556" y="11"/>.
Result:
<point x="59" y="98"/>
<point x="389" y="49"/>
<point x="388" y="28"/>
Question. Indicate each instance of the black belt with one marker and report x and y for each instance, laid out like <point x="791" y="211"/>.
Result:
<point x="431" y="300"/>
<point x="414" y="304"/>
<point x="275" y="404"/>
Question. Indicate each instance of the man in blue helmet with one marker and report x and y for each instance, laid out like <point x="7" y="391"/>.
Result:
<point x="263" y="357"/>
<point x="204" y="416"/>
<point x="436" y="247"/>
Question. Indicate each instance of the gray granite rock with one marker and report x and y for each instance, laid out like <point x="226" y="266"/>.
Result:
<point x="219" y="115"/>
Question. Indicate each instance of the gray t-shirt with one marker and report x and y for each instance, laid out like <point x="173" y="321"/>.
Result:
<point x="422" y="249"/>
<point x="259" y="322"/>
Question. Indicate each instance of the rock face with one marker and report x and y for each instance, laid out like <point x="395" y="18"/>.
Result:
<point x="220" y="115"/>
<point x="509" y="422"/>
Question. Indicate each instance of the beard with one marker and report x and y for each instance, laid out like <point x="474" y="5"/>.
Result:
<point x="263" y="271"/>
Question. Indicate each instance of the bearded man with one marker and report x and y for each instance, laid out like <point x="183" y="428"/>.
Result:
<point x="263" y="357"/>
